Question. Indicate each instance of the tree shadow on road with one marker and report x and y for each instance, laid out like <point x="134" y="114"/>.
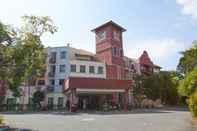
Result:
<point x="132" y="111"/>
<point x="184" y="109"/>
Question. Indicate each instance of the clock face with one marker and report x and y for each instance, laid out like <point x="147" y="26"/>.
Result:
<point x="101" y="35"/>
<point x="116" y="35"/>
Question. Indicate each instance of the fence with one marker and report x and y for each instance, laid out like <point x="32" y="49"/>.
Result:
<point x="29" y="107"/>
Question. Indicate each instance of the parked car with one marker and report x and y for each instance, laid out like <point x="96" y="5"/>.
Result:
<point x="4" y="128"/>
<point x="13" y="129"/>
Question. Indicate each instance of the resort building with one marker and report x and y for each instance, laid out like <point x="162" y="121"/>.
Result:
<point x="58" y="70"/>
<point x="147" y="67"/>
<point x="114" y="88"/>
<point x="84" y="64"/>
<point x="80" y="79"/>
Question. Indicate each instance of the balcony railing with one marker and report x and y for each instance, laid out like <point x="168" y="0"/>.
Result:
<point x="52" y="60"/>
<point x="51" y="74"/>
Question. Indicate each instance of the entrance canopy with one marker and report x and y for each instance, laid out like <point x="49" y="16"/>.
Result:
<point x="92" y="85"/>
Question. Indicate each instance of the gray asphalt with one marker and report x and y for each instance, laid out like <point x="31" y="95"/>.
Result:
<point x="137" y="120"/>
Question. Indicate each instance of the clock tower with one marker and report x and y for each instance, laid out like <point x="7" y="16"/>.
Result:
<point x="109" y="48"/>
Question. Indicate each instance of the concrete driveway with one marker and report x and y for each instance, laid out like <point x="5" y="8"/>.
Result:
<point x="136" y="120"/>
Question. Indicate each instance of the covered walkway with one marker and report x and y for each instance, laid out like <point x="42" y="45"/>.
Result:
<point x="97" y="91"/>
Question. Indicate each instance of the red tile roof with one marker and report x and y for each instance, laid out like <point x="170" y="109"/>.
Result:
<point x="156" y="66"/>
<point x="109" y="23"/>
<point x="95" y="83"/>
<point x="145" y="59"/>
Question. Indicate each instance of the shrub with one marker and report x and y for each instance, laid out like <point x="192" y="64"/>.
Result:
<point x="1" y="120"/>
<point x="193" y="104"/>
<point x="189" y="84"/>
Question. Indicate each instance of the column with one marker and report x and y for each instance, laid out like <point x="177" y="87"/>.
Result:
<point x="72" y="100"/>
<point x="126" y="97"/>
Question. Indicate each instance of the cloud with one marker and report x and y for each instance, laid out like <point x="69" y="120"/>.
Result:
<point x="189" y="7"/>
<point x="159" y="50"/>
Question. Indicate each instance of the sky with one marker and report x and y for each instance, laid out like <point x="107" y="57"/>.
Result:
<point x="161" y="27"/>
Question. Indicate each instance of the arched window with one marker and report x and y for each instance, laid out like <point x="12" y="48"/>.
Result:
<point x="114" y="51"/>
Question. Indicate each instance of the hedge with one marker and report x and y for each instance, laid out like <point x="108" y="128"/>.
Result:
<point x="193" y="104"/>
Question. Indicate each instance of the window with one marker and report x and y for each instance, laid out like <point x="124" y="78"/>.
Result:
<point x="73" y="68"/>
<point x="132" y="66"/>
<point x="117" y="52"/>
<point x="62" y="68"/>
<point x="114" y="51"/>
<point x="52" y="68"/>
<point x="41" y="82"/>
<point x="121" y="53"/>
<point x="52" y="82"/>
<point x="101" y="35"/>
<point x="116" y="35"/>
<point x="50" y="101"/>
<point x="11" y="102"/>
<point x="60" y="101"/>
<point x="91" y="69"/>
<point x="53" y="54"/>
<point x="100" y="70"/>
<point x="82" y="68"/>
<point x="63" y="54"/>
<point x="31" y="102"/>
<point x="52" y="58"/>
<point x="142" y="67"/>
<point x="61" y="82"/>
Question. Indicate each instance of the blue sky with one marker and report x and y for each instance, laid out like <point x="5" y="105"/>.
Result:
<point x="162" y="27"/>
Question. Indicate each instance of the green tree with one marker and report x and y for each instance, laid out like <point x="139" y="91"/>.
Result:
<point x="4" y="34"/>
<point x="31" y="33"/>
<point x="189" y="59"/>
<point x="193" y="104"/>
<point x="138" y="88"/>
<point x="162" y="86"/>
<point x="189" y="84"/>
<point x="38" y="96"/>
<point x="26" y="56"/>
<point x="5" y="40"/>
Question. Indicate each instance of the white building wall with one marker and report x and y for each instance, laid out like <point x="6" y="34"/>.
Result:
<point x="9" y="94"/>
<point x="26" y="93"/>
<point x="87" y="74"/>
<point x="57" y="93"/>
<point x="137" y="67"/>
<point x="156" y="70"/>
<point x="58" y="75"/>
<point x="55" y="97"/>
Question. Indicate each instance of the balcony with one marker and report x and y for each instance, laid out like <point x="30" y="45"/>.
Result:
<point x="52" y="60"/>
<point x="51" y="74"/>
<point x="147" y="71"/>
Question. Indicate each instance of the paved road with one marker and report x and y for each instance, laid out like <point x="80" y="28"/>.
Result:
<point x="138" y="120"/>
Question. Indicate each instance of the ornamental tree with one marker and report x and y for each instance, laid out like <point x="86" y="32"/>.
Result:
<point x="25" y="55"/>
